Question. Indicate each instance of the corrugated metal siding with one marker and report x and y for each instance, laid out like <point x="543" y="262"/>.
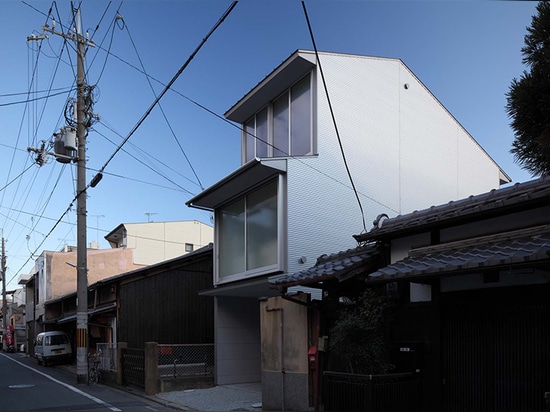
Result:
<point x="396" y="140"/>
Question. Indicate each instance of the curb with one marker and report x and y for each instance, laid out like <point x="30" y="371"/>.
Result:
<point x="176" y="406"/>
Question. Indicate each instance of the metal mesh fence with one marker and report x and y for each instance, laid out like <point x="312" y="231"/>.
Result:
<point x="107" y="357"/>
<point x="185" y="360"/>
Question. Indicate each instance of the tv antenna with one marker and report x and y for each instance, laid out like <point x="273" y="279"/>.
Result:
<point x="149" y="214"/>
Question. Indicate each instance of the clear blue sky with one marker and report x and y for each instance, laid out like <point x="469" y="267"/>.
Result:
<point x="465" y="52"/>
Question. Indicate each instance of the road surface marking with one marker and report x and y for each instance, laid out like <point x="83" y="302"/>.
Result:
<point x="72" y="388"/>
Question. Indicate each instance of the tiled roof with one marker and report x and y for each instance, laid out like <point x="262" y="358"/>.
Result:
<point x="480" y="206"/>
<point x="524" y="246"/>
<point x="341" y="266"/>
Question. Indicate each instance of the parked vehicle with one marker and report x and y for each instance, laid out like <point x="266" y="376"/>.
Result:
<point x="50" y="347"/>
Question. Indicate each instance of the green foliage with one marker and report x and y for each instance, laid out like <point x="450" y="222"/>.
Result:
<point x="358" y="335"/>
<point x="528" y="100"/>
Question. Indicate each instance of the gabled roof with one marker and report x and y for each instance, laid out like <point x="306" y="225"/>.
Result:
<point x="528" y="246"/>
<point x="520" y="196"/>
<point x="292" y="69"/>
<point x="340" y="266"/>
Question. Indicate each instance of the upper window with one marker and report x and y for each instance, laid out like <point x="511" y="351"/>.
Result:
<point x="283" y="127"/>
<point x="188" y="247"/>
<point x="247" y="234"/>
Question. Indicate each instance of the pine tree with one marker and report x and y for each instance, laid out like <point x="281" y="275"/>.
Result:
<point x="528" y="100"/>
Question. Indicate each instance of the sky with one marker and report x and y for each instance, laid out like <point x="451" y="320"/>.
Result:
<point x="465" y="52"/>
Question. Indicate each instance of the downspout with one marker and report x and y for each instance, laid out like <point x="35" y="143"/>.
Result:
<point x="282" y="358"/>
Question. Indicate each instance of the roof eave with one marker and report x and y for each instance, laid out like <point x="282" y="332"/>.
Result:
<point x="288" y="72"/>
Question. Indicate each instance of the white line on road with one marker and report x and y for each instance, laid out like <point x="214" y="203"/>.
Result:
<point x="72" y="388"/>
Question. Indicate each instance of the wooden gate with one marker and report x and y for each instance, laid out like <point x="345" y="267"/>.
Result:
<point x="495" y="350"/>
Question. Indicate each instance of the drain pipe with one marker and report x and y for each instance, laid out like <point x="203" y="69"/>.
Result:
<point x="282" y="358"/>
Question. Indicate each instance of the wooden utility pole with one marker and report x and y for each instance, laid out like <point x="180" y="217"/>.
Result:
<point x="81" y="241"/>
<point x="4" y="302"/>
<point x="83" y="118"/>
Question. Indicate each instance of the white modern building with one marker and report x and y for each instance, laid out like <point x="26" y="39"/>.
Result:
<point x="292" y="199"/>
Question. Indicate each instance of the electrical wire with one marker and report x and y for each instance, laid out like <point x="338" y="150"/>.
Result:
<point x="162" y="110"/>
<point x="15" y="178"/>
<point x="144" y="153"/>
<point x="149" y="167"/>
<point x="26" y="101"/>
<point x="31" y="92"/>
<point x="238" y="126"/>
<point x="63" y="89"/>
<point x="33" y="84"/>
<point x="167" y="87"/>
<point x="333" y="116"/>
<point x="137" y="180"/>
<point x="58" y="221"/>
<point x="112" y="27"/>
<point x="142" y="119"/>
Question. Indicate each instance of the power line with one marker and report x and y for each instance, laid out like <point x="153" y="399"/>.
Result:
<point x="333" y="117"/>
<point x="170" y="83"/>
<point x="146" y="165"/>
<point x="36" y="98"/>
<point x="15" y="178"/>
<point x="35" y="92"/>
<point x="81" y="192"/>
<point x="162" y="110"/>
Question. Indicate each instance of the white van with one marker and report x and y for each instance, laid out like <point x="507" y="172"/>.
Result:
<point x="52" y="347"/>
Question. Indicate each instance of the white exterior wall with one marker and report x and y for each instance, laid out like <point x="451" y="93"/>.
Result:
<point x="237" y="337"/>
<point x="404" y="150"/>
<point x="158" y="241"/>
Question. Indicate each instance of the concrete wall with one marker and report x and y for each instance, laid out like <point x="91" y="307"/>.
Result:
<point x="158" y="241"/>
<point x="102" y="263"/>
<point x="237" y="330"/>
<point x="284" y="324"/>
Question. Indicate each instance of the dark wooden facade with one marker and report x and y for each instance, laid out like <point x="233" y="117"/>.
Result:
<point x="161" y="303"/>
<point x="158" y="303"/>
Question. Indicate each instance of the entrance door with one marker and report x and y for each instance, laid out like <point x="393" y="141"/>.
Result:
<point x="495" y="349"/>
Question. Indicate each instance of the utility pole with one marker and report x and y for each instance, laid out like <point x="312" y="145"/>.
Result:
<point x="83" y="120"/>
<point x="81" y="241"/>
<point x="4" y="302"/>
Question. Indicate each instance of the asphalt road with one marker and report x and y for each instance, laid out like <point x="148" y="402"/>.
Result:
<point x="25" y="386"/>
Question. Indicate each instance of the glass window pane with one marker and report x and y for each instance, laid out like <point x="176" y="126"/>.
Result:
<point x="261" y="227"/>
<point x="261" y="133"/>
<point x="280" y="126"/>
<point x="231" y="239"/>
<point x="249" y="137"/>
<point x="300" y="120"/>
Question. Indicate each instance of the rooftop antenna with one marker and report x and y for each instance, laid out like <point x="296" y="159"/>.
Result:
<point x="149" y="216"/>
<point x="97" y="226"/>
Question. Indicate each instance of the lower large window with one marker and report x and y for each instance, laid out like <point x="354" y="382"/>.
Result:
<point x="247" y="234"/>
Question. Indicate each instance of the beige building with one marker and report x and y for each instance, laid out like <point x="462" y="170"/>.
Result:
<point x="156" y="242"/>
<point x="55" y="272"/>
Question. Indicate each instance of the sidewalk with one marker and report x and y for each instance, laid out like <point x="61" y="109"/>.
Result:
<point x="240" y="397"/>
